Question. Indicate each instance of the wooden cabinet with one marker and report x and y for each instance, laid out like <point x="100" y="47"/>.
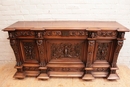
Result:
<point x="84" y="49"/>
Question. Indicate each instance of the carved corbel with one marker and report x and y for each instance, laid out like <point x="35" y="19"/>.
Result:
<point x="14" y="45"/>
<point x="19" y="74"/>
<point x="113" y="75"/>
<point x="116" y="53"/>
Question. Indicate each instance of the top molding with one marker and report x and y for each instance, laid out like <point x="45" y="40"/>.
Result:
<point x="67" y="25"/>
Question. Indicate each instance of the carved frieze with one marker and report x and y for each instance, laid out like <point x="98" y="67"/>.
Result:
<point x="65" y="33"/>
<point x="24" y="33"/>
<point x="65" y="69"/>
<point x="100" y="69"/>
<point x="29" y="50"/>
<point x="106" y="33"/>
<point x="31" y="68"/>
<point x="21" y="33"/>
<point x="65" y="50"/>
<point x="102" y="51"/>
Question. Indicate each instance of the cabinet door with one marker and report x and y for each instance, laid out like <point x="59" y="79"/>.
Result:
<point x="103" y="51"/>
<point x="29" y="51"/>
<point x="65" y="49"/>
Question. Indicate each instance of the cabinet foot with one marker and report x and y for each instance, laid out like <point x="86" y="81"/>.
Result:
<point x="19" y="75"/>
<point x="43" y="76"/>
<point x="113" y="77"/>
<point x="88" y="77"/>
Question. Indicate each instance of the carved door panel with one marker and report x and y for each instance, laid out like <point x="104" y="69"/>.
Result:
<point x="103" y="51"/>
<point x="64" y="49"/>
<point x="29" y="51"/>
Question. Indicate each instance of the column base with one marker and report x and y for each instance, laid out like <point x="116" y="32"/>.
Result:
<point x="43" y="76"/>
<point x="88" y="77"/>
<point x="19" y="75"/>
<point x="113" y="77"/>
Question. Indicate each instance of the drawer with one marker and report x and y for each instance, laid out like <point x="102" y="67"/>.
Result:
<point x="66" y="34"/>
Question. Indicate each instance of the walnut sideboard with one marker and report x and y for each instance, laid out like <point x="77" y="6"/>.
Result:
<point x="86" y="49"/>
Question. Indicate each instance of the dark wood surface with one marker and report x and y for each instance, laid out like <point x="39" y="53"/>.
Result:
<point x="86" y="49"/>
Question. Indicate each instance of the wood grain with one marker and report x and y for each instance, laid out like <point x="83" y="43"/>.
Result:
<point x="64" y="25"/>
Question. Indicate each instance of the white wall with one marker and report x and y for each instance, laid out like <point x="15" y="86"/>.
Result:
<point x="96" y="10"/>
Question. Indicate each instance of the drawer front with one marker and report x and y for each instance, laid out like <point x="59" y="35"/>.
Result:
<point x="68" y="34"/>
<point x="106" y="34"/>
<point x="22" y="34"/>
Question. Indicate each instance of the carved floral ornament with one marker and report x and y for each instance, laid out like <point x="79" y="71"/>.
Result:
<point x="102" y="51"/>
<point x="106" y="33"/>
<point x="66" y="50"/>
<point x="29" y="50"/>
<point x="21" y="33"/>
<point x="91" y="34"/>
<point x="65" y="33"/>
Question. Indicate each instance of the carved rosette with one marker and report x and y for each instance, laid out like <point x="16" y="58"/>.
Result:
<point x="102" y="51"/>
<point x="66" y="50"/>
<point x="65" y="33"/>
<point x="106" y="33"/>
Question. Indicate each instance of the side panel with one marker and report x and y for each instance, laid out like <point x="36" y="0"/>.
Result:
<point x="29" y="51"/>
<point x="103" y="50"/>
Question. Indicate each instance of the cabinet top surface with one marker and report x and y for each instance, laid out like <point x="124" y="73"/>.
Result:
<point x="66" y="25"/>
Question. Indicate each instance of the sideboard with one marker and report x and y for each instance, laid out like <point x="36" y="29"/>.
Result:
<point x="85" y="49"/>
